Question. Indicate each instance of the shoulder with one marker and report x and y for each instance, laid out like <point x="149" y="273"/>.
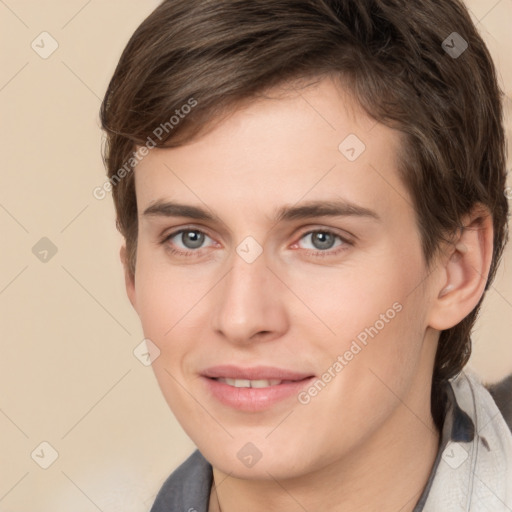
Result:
<point x="187" y="488"/>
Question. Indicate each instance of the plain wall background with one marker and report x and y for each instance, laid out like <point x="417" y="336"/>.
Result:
<point x="68" y="375"/>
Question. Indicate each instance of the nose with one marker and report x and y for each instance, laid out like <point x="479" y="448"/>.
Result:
<point x="249" y="303"/>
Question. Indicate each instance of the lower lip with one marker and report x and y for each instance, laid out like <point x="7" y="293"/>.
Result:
<point x="254" y="399"/>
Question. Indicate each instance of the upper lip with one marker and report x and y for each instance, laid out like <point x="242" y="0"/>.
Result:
<point x="253" y="373"/>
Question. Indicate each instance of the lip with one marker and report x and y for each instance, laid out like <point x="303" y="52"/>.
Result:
<point x="254" y="373"/>
<point x="254" y="399"/>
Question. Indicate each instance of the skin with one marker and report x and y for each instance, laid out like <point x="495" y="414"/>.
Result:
<point x="367" y="441"/>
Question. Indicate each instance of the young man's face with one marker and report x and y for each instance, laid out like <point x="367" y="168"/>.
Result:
<point x="327" y="315"/>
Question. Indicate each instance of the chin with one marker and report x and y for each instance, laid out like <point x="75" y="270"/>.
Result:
<point x="260" y="461"/>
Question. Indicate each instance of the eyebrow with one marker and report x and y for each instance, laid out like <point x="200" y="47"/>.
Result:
<point x="306" y="210"/>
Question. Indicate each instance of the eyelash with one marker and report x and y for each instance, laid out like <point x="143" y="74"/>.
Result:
<point x="318" y="253"/>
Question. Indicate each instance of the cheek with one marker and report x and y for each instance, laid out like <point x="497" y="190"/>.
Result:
<point x="375" y="316"/>
<point x="352" y="299"/>
<point x="164" y="296"/>
<point x="156" y="305"/>
<point x="363" y="382"/>
<point x="385" y="366"/>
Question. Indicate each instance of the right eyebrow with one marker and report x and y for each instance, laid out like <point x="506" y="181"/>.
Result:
<point x="171" y="209"/>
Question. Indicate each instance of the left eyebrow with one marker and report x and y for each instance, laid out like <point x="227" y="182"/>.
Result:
<point x="287" y="213"/>
<point x="325" y="209"/>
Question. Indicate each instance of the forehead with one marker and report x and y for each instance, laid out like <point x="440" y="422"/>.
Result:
<point x="307" y="143"/>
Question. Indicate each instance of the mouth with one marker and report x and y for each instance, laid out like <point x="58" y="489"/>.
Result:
<point x="253" y="389"/>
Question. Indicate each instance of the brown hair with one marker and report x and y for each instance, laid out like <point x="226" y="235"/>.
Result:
<point x="390" y="54"/>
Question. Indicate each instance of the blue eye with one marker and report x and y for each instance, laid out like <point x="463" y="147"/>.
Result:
<point x="191" y="240"/>
<point x="322" y="240"/>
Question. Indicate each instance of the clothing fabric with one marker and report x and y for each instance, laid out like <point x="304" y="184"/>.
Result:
<point x="472" y="471"/>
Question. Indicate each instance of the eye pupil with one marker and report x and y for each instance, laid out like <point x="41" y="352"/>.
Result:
<point x="325" y="240"/>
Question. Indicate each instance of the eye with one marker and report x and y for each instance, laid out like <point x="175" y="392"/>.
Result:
<point x="185" y="241"/>
<point x="324" y="240"/>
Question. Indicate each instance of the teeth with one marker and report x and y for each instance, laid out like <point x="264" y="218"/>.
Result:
<point x="244" y="383"/>
<point x="264" y="383"/>
<point x="239" y="383"/>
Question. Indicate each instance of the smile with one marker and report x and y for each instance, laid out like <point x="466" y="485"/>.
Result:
<point x="253" y="389"/>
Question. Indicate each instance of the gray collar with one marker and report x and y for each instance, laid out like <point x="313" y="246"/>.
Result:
<point x="473" y="470"/>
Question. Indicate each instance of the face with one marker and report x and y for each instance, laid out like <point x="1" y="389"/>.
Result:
<point x="280" y="274"/>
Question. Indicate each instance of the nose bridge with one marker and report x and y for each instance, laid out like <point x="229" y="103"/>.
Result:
<point x="248" y="300"/>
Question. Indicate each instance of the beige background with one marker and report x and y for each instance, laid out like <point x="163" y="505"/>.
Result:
<point x="68" y="375"/>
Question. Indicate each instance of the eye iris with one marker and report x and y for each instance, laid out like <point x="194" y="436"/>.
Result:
<point x="326" y="240"/>
<point x="194" y="238"/>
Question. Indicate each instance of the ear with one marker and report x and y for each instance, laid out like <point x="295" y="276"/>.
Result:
<point x="129" y="278"/>
<point x="464" y="270"/>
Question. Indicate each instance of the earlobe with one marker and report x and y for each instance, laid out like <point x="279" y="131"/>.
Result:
<point x="129" y="278"/>
<point x="464" y="272"/>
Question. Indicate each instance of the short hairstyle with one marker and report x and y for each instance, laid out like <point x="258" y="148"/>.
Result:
<point x="391" y="55"/>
